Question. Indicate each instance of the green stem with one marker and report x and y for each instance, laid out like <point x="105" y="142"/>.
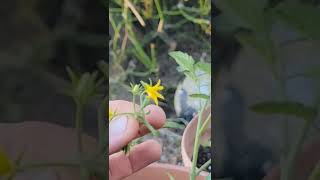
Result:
<point x="142" y="118"/>
<point x="150" y="127"/>
<point x="79" y="111"/>
<point x="159" y="9"/>
<point x="205" y="124"/>
<point x="196" y="146"/>
<point x="204" y="166"/>
<point x="79" y="124"/>
<point x="193" y="19"/>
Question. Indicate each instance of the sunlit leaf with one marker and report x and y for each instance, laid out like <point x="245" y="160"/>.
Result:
<point x="205" y="67"/>
<point x="185" y="61"/>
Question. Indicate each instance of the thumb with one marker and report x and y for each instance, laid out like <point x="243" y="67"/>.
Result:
<point x="122" y="130"/>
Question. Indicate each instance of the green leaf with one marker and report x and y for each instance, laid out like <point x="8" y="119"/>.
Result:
<point x="302" y="17"/>
<point x="208" y="177"/>
<point x="205" y="67"/>
<point x="201" y="96"/>
<point x="73" y="77"/>
<point x="315" y="174"/>
<point x="190" y="75"/>
<point x="286" y="108"/>
<point x="83" y="85"/>
<point x="173" y="125"/>
<point x="185" y="61"/>
<point x="5" y="164"/>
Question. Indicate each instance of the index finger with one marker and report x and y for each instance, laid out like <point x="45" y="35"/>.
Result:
<point x="156" y="118"/>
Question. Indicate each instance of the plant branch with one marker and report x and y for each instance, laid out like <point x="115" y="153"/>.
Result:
<point x="203" y="167"/>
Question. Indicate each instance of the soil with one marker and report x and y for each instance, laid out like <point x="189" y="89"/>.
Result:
<point x="203" y="156"/>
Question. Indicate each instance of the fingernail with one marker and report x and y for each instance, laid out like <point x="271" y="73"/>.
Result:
<point x="118" y="126"/>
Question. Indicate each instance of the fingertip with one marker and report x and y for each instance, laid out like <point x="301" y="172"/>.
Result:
<point x="157" y="116"/>
<point x="118" y="140"/>
<point x="145" y="154"/>
<point x="156" y="148"/>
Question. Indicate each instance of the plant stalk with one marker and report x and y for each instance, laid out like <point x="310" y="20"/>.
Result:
<point x="196" y="146"/>
<point x="204" y="166"/>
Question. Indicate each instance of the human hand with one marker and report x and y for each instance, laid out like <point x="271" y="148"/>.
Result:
<point x="44" y="143"/>
<point x="122" y="130"/>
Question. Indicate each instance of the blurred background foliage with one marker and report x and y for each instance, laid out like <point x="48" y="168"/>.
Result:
<point x="265" y="51"/>
<point x="38" y="40"/>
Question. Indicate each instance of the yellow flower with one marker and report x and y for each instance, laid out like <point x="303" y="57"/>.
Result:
<point x="111" y="114"/>
<point x="5" y="165"/>
<point x="152" y="91"/>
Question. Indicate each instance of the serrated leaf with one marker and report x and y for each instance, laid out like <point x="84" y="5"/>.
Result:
<point x="190" y="75"/>
<point x="286" y="108"/>
<point x="5" y="164"/>
<point x="185" y="61"/>
<point x="302" y="17"/>
<point x="205" y="67"/>
<point x="201" y="96"/>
